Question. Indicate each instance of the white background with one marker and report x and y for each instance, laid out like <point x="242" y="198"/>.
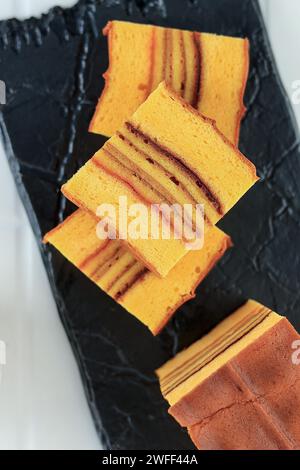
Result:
<point x="42" y="404"/>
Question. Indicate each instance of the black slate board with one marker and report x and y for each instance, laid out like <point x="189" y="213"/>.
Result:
<point x="52" y="69"/>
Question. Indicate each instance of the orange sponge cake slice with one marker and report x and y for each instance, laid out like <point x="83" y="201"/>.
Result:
<point x="119" y="274"/>
<point x="166" y="153"/>
<point x="238" y="388"/>
<point x="208" y="71"/>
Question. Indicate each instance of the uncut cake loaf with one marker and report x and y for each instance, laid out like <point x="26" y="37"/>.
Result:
<point x="165" y="153"/>
<point x="114" y="269"/>
<point x="209" y="71"/>
<point x="238" y="388"/>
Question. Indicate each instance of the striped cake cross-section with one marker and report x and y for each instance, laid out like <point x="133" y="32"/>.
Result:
<point x="238" y="388"/>
<point x="209" y="71"/>
<point x="165" y="153"/>
<point x="114" y="269"/>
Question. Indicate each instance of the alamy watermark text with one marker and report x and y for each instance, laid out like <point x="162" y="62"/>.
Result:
<point x="154" y="221"/>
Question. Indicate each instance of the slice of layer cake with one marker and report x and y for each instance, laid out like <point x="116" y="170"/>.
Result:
<point x="210" y="72"/>
<point x="113" y="268"/>
<point x="166" y="153"/>
<point x="238" y="388"/>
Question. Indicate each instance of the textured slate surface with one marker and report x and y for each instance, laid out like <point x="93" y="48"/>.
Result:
<point x="52" y="68"/>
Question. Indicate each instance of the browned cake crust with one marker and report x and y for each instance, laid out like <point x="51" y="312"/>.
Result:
<point x="253" y="402"/>
<point x="245" y="427"/>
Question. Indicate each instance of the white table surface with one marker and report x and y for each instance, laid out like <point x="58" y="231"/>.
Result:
<point x="42" y="403"/>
